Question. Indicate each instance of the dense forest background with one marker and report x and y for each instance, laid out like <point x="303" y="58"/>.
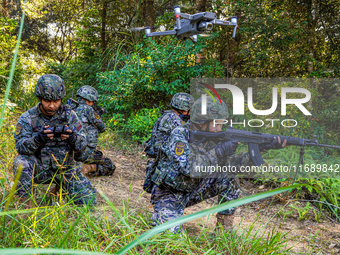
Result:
<point x="90" y="42"/>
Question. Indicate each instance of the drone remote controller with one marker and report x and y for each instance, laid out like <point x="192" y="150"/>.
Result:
<point x="58" y="131"/>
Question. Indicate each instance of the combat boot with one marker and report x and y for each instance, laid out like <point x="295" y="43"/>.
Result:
<point x="89" y="168"/>
<point x="226" y="221"/>
<point x="104" y="168"/>
<point x="107" y="167"/>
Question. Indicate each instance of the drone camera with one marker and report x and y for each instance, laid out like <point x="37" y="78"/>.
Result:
<point x="193" y="38"/>
<point x="205" y="26"/>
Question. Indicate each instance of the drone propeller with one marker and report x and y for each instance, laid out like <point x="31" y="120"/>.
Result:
<point x="142" y="28"/>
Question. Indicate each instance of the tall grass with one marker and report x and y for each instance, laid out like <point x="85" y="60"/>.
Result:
<point x="107" y="229"/>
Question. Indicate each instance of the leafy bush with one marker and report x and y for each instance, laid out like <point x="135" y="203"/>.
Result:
<point x="139" y="125"/>
<point x="8" y="40"/>
<point x="152" y="74"/>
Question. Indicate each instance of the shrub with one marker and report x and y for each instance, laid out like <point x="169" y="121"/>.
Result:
<point x="152" y="74"/>
<point x="139" y="125"/>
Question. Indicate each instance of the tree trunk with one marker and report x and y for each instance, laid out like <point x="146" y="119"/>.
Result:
<point x="311" y="44"/>
<point x="311" y="35"/>
<point x="149" y="12"/>
<point x="230" y="57"/>
<point x="103" y="34"/>
<point x="200" y="5"/>
<point x="4" y="8"/>
<point x="229" y="62"/>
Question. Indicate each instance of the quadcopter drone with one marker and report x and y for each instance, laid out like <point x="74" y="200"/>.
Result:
<point x="192" y="25"/>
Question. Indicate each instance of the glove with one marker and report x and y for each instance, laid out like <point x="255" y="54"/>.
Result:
<point x="72" y="138"/>
<point x="226" y="148"/>
<point x="273" y="145"/>
<point x="41" y="137"/>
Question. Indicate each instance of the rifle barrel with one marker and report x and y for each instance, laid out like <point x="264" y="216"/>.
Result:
<point x="325" y="145"/>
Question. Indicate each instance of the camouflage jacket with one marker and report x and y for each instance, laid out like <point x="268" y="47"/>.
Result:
<point x="92" y="123"/>
<point x="161" y="131"/>
<point x="56" y="152"/>
<point x="178" y="166"/>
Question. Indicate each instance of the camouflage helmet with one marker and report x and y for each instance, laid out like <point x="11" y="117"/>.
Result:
<point x="182" y="101"/>
<point x="50" y="87"/>
<point x="88" y="93"/>
<point x="215" y="110"/>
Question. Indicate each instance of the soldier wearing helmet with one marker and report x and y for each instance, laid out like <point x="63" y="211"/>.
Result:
<point x="178" y="115"/>
<point x="45" y="155"/>
<point x="176" y="182"/>
<point x="94" y="162"/>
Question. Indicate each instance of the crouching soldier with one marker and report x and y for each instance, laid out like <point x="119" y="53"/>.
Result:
<point x="178" y="115"/>
<point x="95" y="163"/>
<point x="176" y="182"/>
<point x="46" y="138"/>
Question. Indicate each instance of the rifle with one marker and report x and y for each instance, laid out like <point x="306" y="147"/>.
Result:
<point x="254" y="139"/>
<point x="71" y="101"/>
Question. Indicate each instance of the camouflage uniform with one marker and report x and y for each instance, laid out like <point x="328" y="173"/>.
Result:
<point x="92" y="125"/>
<point x="177" y="186"/>
<point x="53" y="160"/>
<point x="163" y="127"/>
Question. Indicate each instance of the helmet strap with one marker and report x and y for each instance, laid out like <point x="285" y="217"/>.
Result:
<point x="184" y="117"/>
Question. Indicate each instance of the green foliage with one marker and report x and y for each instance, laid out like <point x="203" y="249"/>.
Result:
<point x="8" y="40"/>
<point x="304" y="212"/>
<point x="76" y="73"/>
<point x="138" y="125"/>
<point x="328" y="191"/>
<point x="152" y="74"/>
<point x="294" y="39"/>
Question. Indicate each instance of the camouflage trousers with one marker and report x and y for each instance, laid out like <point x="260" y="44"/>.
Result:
<point x="91" y="155"/>
<point x="78" y="186"/>
<point x="170" y="204"/>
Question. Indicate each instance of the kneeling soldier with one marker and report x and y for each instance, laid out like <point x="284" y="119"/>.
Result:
<point x="96" y="164"/>
<point x="46" y="154"/>
<point x="176" y="182"/>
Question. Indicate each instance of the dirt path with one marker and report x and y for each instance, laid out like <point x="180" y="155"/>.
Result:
<point x="306" y="235"/>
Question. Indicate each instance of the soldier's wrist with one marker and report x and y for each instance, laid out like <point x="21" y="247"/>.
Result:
<point x="37" y="139"/>
<point x="72" y="138"/>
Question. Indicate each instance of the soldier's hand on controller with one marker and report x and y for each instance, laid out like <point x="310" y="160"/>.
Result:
<point x="63" y="136"/>
<point x="43" y="135"/>
<point x="71" y="138"/>
<point x="48" y="132"/>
